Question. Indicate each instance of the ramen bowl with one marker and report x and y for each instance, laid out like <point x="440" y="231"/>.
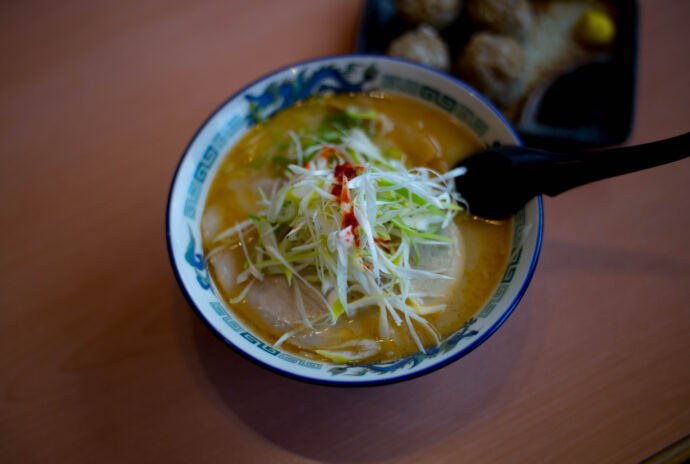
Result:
<point x="281" y="89"/>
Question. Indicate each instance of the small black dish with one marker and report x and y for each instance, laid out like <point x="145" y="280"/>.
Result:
<point x="599" y="95"/>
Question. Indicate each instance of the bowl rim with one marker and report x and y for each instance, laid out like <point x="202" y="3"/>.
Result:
<point x="335" y="382"/>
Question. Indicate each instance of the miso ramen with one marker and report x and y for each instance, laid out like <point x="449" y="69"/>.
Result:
<point x="333" y="229"/>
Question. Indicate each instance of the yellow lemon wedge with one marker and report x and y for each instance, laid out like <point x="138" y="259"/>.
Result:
<point x="595" y="28"/>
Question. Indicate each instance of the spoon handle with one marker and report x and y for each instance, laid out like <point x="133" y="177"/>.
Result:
<point x="499" y="181"/>
<point x="559" y="172"/>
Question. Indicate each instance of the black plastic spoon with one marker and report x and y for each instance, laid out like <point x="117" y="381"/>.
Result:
<point x="499" y="181"/>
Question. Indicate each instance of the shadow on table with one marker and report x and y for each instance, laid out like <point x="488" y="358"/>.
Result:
<point x="337" y="424"/>
<point x="343" y="425"/>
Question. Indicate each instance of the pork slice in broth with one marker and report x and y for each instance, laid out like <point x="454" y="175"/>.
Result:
<point x="211" y="222"/>
<point x="444" y="259"/>
<point x="225" y="269"/>
<point x="274" y="302"/>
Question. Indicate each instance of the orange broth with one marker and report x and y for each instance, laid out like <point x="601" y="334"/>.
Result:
<point x="427" y="137"/>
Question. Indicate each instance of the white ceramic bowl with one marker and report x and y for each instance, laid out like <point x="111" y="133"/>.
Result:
<point x="230" y="122"/>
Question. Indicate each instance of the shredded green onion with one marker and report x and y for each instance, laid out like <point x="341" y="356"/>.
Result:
<point x="346" y="220"/>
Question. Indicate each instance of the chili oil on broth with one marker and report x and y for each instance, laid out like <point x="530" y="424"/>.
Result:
<point x="428" y="138"/>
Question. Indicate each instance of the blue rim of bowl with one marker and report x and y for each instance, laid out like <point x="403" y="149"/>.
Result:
<point x="368" y="383"/>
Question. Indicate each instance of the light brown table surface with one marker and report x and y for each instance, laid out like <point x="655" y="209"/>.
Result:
<point x="102" y="359"/>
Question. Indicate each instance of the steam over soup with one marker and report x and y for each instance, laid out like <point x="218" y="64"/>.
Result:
<point x="333" y="229"/>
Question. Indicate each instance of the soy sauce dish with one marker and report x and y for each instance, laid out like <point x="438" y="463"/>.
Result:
<point x="313" y="224"/>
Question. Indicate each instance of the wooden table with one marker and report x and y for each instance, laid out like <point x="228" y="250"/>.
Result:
<point x="102" y="359"/>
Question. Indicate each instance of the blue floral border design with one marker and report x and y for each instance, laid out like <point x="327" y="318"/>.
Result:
<point x="279" y="95"/>
<point x="196" y="260"/>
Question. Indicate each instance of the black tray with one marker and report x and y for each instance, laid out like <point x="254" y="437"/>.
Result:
<point x="599" y="95"/>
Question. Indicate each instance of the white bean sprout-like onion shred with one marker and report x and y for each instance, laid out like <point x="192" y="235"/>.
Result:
<point x="346" y="221"/>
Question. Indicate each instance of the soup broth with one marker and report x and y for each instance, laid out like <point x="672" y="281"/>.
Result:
<point x="423" y="136"/>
